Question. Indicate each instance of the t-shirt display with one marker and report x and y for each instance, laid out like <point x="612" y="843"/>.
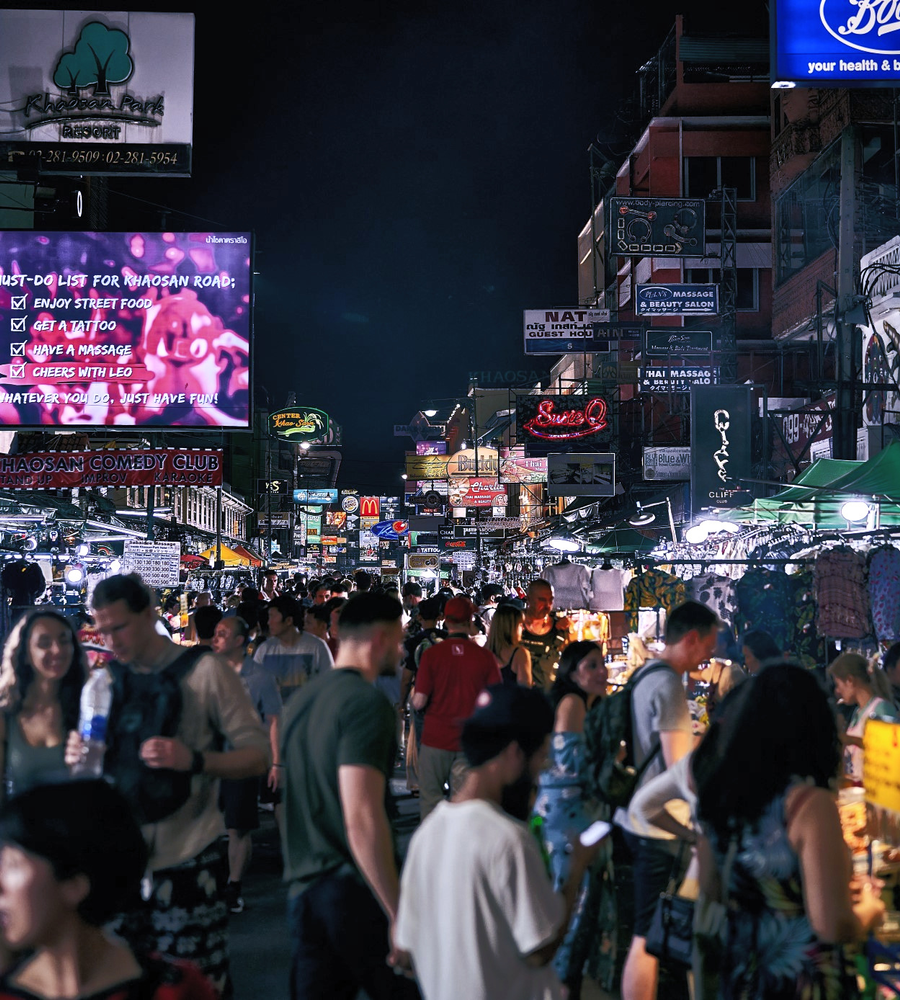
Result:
<point x="884" y="592"/>
<point x="346" y="721"/>
<point x="475" y="900"/>
<point x="841" y="594"/>
<point x="452" y="674"/>
<point x="571" y="583"/>
<point x="716" y="592"/>
<point x="654" y="588"/>
<point x="608" y="589"/>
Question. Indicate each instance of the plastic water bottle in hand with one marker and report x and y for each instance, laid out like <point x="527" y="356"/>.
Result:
<point x="96" y="699"/>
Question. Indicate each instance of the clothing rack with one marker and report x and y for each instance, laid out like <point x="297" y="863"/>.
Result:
<point x="722" y="561"/>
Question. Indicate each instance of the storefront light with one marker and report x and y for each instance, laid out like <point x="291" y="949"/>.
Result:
<point x="696" y="534"/>
<point x="855" y="511"/>
<point x="74" y="575"/>
<point x="564" y="544"/>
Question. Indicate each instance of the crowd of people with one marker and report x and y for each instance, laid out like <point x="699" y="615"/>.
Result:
<point x="306" y="696"/>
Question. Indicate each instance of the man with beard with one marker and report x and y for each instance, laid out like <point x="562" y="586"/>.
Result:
<point x="478" y="915"/>
<point x="338" y="747"/>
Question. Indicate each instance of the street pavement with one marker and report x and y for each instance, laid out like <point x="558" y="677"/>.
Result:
<point x="260" y="945"/>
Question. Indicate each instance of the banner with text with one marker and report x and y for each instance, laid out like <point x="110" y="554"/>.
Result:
<point x="125" y="330"/>
<point x="58" y="470"/>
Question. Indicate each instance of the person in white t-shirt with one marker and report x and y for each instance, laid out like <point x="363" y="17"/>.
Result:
<point x="478" y="917"/>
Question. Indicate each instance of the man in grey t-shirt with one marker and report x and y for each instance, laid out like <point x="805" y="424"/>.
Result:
<point x="660" y="715"/>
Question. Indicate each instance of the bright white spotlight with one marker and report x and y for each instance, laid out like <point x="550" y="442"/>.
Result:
<point x="696" y="534"/>
<point x="855" y="511"/>
<point x="74" y="575"/>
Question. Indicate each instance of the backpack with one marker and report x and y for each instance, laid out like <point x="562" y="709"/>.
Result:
<point x="143" y="706"/>
<point x="608" y="729"/>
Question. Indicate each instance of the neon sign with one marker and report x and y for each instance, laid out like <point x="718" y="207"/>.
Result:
<point x="548" y="424"/>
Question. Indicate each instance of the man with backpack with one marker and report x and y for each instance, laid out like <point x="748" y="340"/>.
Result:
<point x="660" y="736"/>
<point x="172" y="707"/>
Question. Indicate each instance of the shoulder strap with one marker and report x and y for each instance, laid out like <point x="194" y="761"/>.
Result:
<point x="184" y="662"/>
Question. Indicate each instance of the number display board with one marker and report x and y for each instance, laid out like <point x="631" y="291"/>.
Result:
<point x="157" y="563"/>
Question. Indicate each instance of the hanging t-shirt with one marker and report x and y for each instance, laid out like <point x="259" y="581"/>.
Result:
<point x="654" y="588"/>
<point x="716" y="592"/>
<point x="765" y="601"/>
<point x="608" y="589"/>
<point x="841" y="594"/>
<point x="884" y="592"/>
<point x="805" y="645"/>
<point x="571" y="583"/>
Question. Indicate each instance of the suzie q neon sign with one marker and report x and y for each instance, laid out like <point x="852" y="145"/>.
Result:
<point x="566" y="425"/>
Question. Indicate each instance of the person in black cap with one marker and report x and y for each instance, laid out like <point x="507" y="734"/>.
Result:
<point x="475" y="864"/>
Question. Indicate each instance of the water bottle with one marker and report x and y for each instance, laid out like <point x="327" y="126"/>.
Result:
<point x="96" y="698"/>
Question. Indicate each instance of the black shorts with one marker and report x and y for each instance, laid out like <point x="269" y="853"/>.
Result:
<point x="653" y="867"/>
<point x="237" y="800"/>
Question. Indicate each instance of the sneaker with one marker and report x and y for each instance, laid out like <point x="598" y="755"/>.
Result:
<point x="233" y="898"/>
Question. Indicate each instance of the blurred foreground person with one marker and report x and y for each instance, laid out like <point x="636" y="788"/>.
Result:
<point x="72" y="856"/>
<point x="478" y="915"/>
<point x="765" y="784"/>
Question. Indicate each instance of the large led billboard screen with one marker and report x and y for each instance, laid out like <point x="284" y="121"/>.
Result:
<point x="125" y="329"/>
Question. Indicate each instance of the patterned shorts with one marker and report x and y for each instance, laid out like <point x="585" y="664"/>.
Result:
<point x="185" y="917"/>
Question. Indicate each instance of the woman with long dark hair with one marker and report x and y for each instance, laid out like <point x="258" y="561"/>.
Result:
<point x="71" y="858"/>
<point x="566" y="809"/>
<point x="41" y="676"/>
<point x="766" y="800"/>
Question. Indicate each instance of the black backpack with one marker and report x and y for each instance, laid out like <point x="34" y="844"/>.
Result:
<point x="608" y="731"/>
<point x="146" y="705"/>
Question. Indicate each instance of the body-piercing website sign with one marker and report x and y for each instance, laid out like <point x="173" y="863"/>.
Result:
<point x="835" y="43"/>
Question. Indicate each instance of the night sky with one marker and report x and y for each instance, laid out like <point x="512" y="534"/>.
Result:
<point x="416" y="174"/>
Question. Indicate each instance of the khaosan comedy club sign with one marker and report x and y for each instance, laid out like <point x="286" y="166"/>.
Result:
<point x="835" y="43"/>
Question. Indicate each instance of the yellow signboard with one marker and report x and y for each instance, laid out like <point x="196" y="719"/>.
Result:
<point x="881" y="764"/>
<point x="419" y="467"/>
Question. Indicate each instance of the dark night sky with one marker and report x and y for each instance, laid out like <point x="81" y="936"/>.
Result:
<point x="416" y="174"/>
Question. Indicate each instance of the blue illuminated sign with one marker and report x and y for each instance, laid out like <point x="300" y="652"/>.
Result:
<point x="835" y="43"/>
<point x="315" y="496"/>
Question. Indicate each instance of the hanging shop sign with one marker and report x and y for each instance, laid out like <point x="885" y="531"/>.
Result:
<point x="275" y="519"/>
<point x="477" y="493"/>
<point x="834" y="43"/>
<point x="114" y="329"/>
<point x="508" y="379"/>
<point x="881" y="764"/>
<point x="881" y="365"/>
<point x="57" y="470"/>
<point x="426" y="466"/>
<point x="391" y="530"/>
<point x="300" y="423"/>
<point x="419" y="562"/>
<point x="481" y="529"/>
<point x="157" y="563"/>
<point x="369" y="507"/>
<point x="316" y="496"/>
<point x="272" y="487"/>
<point x="558" y="331"/>
<point x="516" y="468"/>
<point x="674" y="343"/>
<point x="431" y="447"/>
<point x="553" y="424"/>
<point x="657" y="227"/>
<point x="96" y="92"/>
<point x="665" y="378"/>
<point x="720" y="446"/>
<point x="571" y="475"/>
<point x="350" y="504"/>
<point x="474" y="462"/>
<point x="336" y="518"/>
<point x="458" y="544"/>
<point x="667" y="463"/>
<point x="677" y="300"/>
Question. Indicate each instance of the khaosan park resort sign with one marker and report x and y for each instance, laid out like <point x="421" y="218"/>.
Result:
<point x="97" y="93"/>
<point x="835" y="43"/>
<point x="558" y="424"/>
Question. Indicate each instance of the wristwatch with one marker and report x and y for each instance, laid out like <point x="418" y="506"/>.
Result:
<point x="198" y="762"/>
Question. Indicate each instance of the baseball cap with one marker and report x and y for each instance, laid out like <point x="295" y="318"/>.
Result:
<point x="459" y="610"/>
<point x="518" y="713"/>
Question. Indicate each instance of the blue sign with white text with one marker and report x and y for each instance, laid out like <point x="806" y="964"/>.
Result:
<point x="315" y="496"/>
<point x="836" y="43"/>
<point x="677" y="300"/>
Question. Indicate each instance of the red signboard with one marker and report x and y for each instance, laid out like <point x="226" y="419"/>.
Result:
<point x="56" y="470"/>
<point x="369" y="507"/>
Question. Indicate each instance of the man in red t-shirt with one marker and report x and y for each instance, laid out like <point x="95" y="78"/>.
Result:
<point x="451" y="675"/>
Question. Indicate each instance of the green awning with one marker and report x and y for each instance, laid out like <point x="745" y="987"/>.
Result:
<point x="817" y="494"/>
